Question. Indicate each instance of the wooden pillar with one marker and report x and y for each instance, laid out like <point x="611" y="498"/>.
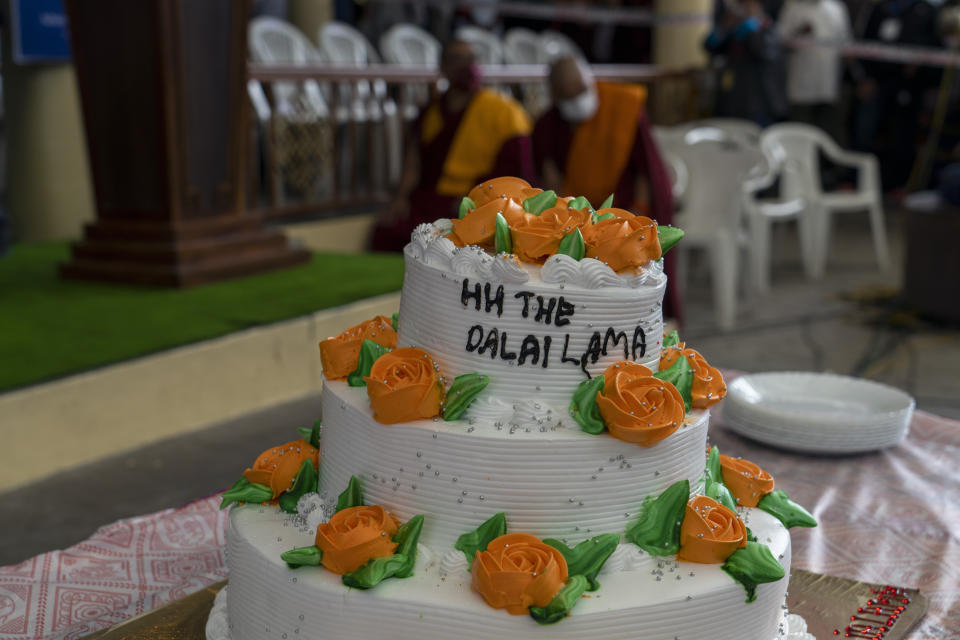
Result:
<point x="162" y="83"/>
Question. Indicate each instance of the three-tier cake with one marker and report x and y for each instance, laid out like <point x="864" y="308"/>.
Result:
<point x="521" y="438"/>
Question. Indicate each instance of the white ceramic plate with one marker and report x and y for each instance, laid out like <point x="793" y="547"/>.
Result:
<point x="817" y="412"/>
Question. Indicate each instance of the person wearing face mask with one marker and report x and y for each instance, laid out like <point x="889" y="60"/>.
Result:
<point x="595" y="141"/>
<point x="463" y="136"/>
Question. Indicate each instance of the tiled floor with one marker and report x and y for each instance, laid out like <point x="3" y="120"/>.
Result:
<point x="800" y="325"/>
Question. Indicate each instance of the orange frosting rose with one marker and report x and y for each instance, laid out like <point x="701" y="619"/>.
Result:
<point x="404" y="385"/>
<point x="746" y="481"/>
<point x="708" y="386"/>
<point x="710" y="532"/>
<point x="636" y="407"/>
<point x="277" y="467"/>
<point x="622" y="241"/>
<point x="506" y="186"/>
<point x="339" y="354"/>
<point x="536" y="238"/>
<point x="354" y="536"/>
<point x="479" y="226"/>
<point x="518" y="571"/>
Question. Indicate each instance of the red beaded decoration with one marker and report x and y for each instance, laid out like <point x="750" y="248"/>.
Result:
<point x="877" y="615"/>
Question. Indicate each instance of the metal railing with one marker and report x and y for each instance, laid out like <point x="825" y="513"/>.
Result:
<point x="330" y="139"/>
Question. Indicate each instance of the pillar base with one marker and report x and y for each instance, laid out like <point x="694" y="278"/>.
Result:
<point x="187" y="254"/>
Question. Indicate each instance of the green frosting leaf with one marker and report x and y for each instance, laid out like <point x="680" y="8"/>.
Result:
<point x="352" y="496"/>
<point x="672" y="339"/>
<point x="305" y="482"/>
<point x="714" y="486"/>
<point x="750" y="536"/>
<point x="587" y="558"/>
<point x="657" y="530"/>
<point x="479" y="538"/>
<point x="751" y="566"/>
<point x="719" y="492"/>
<point x="541" y="202"/>
<point x="669" y="236"/>
<point x="680" y="376"/>
<point x="580" y="202"/>
<point x="369" y="352"/>
<point x="778" y="504"/>
<point x="395" y="321"/>
<point x="583" y="407"/>
<point x="502" y="241"/>
<point x="462" y="393"/>
<point x="302" y="557"/>
<point x="714" y="470"/>
<point x="573" y="245"/>
<point x="608" y="202"/>
<point x="312" y="436"/>
<point x="399" y="565"/>
<point x="559" y="608"/>
<point x="245" y="491"/>
<point x="605" y="216"/>
<point x="466" y="206"/>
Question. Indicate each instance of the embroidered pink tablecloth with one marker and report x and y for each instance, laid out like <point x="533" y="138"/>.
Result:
<point x="890" y="517"/>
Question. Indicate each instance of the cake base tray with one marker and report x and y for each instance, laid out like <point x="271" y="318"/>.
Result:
<point x="826" y="602"/>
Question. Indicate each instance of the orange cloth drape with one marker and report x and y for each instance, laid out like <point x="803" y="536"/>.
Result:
<point x="490" y="120"/>
<point x="601" y="146"/>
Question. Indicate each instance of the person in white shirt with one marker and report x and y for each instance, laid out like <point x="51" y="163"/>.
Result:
<point x="814" y="72"/>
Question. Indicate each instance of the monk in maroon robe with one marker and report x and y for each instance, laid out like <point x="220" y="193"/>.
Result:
<point x="595" y="141"/>
<point x="464" y="136"/>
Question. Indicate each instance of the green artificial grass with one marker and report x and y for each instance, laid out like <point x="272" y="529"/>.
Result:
<point x="51" y="327"/>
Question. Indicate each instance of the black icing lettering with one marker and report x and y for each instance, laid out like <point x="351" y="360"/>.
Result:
<point x="544" y="313"/>
<point x="490" y="343"/>
<point x="497" y="299"/>
<point x="530" y="349"/>
<point x="474" y="337"/>
<point x="592" y="352"/>
<point x="526" y="295"/>
<point x="639" y="340"/>
<point x="563" y="356"/>
<point x="564" y="309"/>
<point x="504" y="354"/>
<point x="466" y="294"/>
<point x="617" y="337"/>
<point x="546" y="350"/>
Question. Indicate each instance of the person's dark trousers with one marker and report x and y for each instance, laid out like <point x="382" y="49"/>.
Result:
<point x="828" y="117"/>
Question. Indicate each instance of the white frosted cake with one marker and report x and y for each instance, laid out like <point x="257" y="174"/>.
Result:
<point x="519" y="453"/>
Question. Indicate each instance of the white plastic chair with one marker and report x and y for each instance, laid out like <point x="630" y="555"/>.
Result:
<point x="273" y="41"/>
<point x="553" y="44"/>
<point x="799" y="145"/>
<point x="411" y="46"/>
<point x="747" y="130"/>
<point x="666" y="138"/>
<point x="296" y="105"/>
<point x="486" y="44"/>
<point x="721" y="168"/>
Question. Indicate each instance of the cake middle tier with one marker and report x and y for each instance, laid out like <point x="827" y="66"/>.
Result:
<point x="537" y="332"/>
<point x="551" y="481"/>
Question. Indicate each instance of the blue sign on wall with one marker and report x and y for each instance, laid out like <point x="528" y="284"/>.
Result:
<point x="39" y="31"/>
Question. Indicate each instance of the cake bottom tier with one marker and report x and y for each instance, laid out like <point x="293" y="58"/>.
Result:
<point x="640" y="596"/>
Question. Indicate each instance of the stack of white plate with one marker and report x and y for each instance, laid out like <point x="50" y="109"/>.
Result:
<point x="817" y="412"/>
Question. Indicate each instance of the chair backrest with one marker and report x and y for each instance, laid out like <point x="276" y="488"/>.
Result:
<point x="521" y="46"/>
<point x="747" y="129"/>
<point x="795" y="145"/>
<point x="342" y="44"/>
<point x="718" y="164"/>
<point x="486" y="45"/>
<point x="274" y="41"/>
<point x="553" y="44"/>
<point x="408" y="44"/>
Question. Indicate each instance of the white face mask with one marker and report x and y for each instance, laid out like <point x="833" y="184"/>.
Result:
<point x="580" y="108"/>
